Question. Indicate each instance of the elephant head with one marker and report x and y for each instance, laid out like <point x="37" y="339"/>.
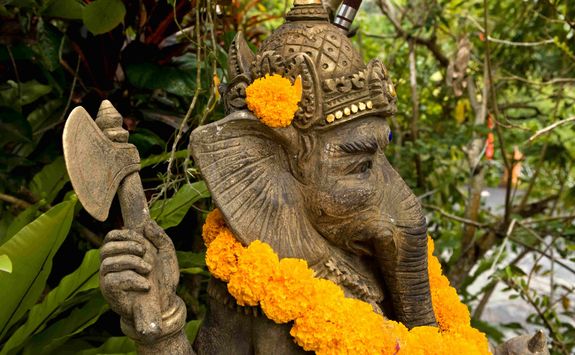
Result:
<point x="321" y="189"/>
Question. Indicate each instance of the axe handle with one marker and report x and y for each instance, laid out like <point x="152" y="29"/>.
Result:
<point x="135" y="212"/>
<point x="133" y="202"/>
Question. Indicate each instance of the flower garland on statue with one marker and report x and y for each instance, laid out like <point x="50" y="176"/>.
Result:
<point x="324" y="320"/>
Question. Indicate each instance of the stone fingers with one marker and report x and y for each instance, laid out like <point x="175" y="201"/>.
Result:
<point x="124" y="262"/>
<point x="113" y="248"/>
<point x="127" y="280"/>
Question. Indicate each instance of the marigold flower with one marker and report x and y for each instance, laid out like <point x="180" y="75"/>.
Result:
<point x="289" y="291"/>
<point x="214" y="223"/>
<point x="325" y="321"/>
<point x="222" y="255"/>
<point x="274" y="100"/>
<point x="255" y="267"/>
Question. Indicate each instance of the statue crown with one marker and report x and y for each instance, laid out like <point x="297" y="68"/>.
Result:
<point x="337" y="85"/>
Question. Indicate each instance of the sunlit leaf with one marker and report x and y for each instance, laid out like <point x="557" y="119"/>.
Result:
<point x="5" y="264"/>
<point x="31" y="251"/>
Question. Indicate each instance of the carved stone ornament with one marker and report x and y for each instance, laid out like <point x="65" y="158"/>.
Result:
<point x="337" y="85"/>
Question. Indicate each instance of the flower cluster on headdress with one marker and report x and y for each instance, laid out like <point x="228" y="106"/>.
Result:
<point x="324" y="320"/>
<point x="274" y="100"/>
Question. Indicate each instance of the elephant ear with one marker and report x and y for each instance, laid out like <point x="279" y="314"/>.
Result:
<point x="245" y="165"/>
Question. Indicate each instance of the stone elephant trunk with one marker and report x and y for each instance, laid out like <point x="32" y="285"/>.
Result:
<point x="401" y="249"/>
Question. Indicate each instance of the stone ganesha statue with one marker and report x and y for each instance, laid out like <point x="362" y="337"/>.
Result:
<point x="320" y="189"/>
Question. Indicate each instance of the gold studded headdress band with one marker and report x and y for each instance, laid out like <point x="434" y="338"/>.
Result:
<point x="337" y="85"/>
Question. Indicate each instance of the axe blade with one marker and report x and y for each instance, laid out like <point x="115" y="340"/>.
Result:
<point x="95" y="164"/>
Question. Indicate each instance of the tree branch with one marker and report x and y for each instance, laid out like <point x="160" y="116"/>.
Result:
<point x="15" y="201"/>
<point x="456" y="218"/>
<point x="390" y="12"/>
<point x="550" y="128"/>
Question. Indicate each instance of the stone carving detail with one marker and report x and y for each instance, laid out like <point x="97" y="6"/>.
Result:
<point x="331" y="69"/>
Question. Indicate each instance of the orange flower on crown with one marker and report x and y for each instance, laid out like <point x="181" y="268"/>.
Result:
<point x="274" y="100"/>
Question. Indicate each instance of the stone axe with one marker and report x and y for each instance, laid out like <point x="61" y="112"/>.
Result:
<point x="101" y="162"/>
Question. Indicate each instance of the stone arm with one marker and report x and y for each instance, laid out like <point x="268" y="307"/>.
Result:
<point x="134" y="264"/>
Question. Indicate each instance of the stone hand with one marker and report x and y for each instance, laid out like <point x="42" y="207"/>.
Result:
<point x="524" y="345"/>
<point x="134" y="264"/>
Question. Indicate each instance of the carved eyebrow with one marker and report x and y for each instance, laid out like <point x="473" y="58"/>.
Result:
<point x="369" y="146"/>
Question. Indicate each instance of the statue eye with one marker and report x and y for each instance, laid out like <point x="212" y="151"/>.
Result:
<point x="361" y="168"/>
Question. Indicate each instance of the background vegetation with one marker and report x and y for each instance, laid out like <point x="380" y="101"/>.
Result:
<point x="485" y="88"/>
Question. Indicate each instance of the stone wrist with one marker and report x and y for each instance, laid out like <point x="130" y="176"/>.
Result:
<point x="173" y="321"/>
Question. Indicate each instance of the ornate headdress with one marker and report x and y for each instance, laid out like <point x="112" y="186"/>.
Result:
<point x="337" y="85"/>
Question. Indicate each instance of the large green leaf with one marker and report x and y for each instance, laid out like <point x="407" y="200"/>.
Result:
<point x="25" y="217"/>
<point x="58" y="333"/>
<point x="31" y="252"/>
<point x="82" y="279"/>
<point x="50" y="180"/>
<point x="101" y="16"/>
<point x="171" y="211"/>
<point x="5" y="264"/>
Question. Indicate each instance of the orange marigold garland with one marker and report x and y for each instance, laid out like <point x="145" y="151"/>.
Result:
<point x="274" y="100"/>
<point x="324" y="320"/>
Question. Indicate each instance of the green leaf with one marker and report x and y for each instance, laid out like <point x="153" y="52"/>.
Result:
<point x="68" y="9"/>
<point x="47" y="46"/>
<point x="14" y="127"/>
<point x="191" y="329"/>
<point x="151" y="76"/>
<point x="31" y="251"/>
<point x="58" y="333"/>
<point x="145" y="139"/>
<point x="49" y="181"/>
<point x="187" y="259"/>
<point x="161" y="158"/>
<point x="567" y="137"/>
<point x="114" y="345"/>
<point x="5" y="264"/>
<point x="193" y="271"/>
<point x="25" y="217"/>
<point x="171" y="211"/>
<point x="42" y="114"/>
<point x="101" y="16"/>
<point x="30" y="90"/>
<point x="84" y="278"/>
<point x="491" y="331"/>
